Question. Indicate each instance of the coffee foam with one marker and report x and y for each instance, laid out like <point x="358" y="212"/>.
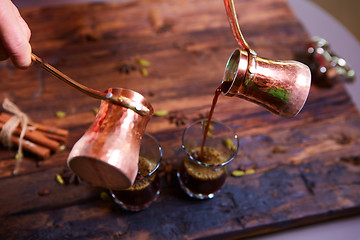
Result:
<point x="211" y="157"/>
<point x="143" y="180"/>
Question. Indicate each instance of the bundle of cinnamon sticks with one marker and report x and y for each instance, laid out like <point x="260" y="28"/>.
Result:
<point x="39" y="139"/>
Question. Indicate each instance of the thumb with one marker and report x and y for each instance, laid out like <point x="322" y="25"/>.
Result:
<point x="15" y="35"/>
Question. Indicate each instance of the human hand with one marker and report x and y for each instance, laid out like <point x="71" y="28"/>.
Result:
<point x="14" y="35"/>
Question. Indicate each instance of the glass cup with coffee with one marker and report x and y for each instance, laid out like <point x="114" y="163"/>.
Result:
<point x="146" y="187"/>
<point x="209" y="149"/>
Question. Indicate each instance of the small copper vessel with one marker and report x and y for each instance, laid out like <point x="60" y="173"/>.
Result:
<point x="107" y="154"/>
<point x="280" y="86"/>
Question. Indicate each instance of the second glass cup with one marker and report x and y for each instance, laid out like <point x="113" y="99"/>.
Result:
<point x="202" y="176"/>
<point x="147" y="183"/>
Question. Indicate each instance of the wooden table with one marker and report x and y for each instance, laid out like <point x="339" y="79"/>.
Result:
<point x="306" y="169"/>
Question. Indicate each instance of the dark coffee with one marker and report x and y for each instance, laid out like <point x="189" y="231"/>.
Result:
<point x="200" y="179"/>
<point x="216" y="96"/>
<point x="144" y="190"/>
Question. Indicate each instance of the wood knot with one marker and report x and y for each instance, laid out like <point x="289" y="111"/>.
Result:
<point x="354" y="160"/>
<point x="343" y="139"/>
<point x="278" y="150"/>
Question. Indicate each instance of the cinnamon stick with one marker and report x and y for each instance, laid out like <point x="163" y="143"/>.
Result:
<point x="4" y="117"/>
<point x="36" y="137"/>
<point x="39" y="151"/>
<point x="59" y="138"/>
<point x="50" y="130"/>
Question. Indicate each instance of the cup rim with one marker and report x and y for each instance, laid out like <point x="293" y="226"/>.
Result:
<point x="160" y="153"/>
<point x="205" y="164"/>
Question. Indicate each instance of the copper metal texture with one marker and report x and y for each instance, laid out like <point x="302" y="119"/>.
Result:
<point x="107" y="154"/>
<point x="280" y="86"/>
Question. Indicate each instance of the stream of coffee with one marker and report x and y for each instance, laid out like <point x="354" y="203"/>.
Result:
<point x="223" y="87"/>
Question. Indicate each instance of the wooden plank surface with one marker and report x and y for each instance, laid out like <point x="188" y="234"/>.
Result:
<point x="307" y="168"/>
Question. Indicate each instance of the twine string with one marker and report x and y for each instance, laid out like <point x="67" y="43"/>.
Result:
<point x="6" y="133"/>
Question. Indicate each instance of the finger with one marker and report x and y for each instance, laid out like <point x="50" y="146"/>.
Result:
<point x="14" y="40"/>
<point x="24" y="27"/>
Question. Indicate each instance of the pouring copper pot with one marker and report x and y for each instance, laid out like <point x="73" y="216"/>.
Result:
<point x="280" y="86"/>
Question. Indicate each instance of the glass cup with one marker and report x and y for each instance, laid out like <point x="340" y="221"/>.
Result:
<point x="146" y="187"/>
<point x="202" y="176"/>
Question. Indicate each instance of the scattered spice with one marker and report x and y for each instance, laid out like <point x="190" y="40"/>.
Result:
<point x="250" y="171"/>
<point x="66" y="177"/>
<point x="144" y="72"/>
<point x="201" y="116"/>
<point x="161" y="113"/>
<point x="95" y="110"/>
<point x="60" y="114"/>
<point x="104" y="196"/>
<point x="238" y="173"/>
<point x="229" y="144"/>
<point x="143" y="62"/>
<point x="87" y="34"/>
<point x="141" y="65"/>
<point x="62" y="147"/>
<point x="59" y="179"/>
<point x="211" y="127"/>
<point x="241" y="171"/>
<point x="126" y="68"/>
<point x="178" y="118"/>
<point x="44" y="191"/>
<point x="18" y="156"/>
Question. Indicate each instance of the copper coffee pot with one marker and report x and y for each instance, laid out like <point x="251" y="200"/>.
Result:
<point x="280" y="86"/>
<point x="107" y="154"/>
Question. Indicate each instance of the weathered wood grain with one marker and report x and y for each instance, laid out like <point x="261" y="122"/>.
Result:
<point x="306" y="169"/>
